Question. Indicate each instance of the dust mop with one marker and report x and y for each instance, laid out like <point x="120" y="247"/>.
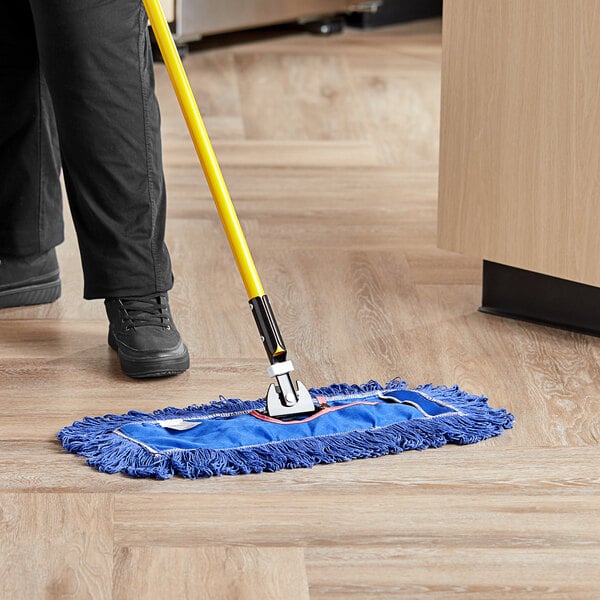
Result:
<point x="291" y="426"/>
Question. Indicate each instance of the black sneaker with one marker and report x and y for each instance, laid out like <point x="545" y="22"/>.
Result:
<point x="143" y="333"/>
<point x="29" y="280"/>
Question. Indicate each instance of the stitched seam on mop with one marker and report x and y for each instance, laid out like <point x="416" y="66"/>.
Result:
<point x="421" y="410"/>
<point x="355" y="396"/>
<point x="133" y="440"/>
<point x="201" y="418"/>
<point x="453" y="409"/>
<point x="441" y="402"/>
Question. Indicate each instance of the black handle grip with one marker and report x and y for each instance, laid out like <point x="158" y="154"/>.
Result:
<point x="268" y="329"/>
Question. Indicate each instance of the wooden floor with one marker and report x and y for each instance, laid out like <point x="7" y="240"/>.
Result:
<point x="330" y="149"/>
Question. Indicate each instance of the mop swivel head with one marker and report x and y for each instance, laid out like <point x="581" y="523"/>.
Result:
<point x="286" y="399"/>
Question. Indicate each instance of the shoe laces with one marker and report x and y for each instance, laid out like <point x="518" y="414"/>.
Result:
<point x="145" y="311"/>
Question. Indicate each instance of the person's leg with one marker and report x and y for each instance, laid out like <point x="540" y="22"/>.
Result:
<point x="30" y="198"/>
<point x="97" y="60"/>
<point x="96" y="57"/>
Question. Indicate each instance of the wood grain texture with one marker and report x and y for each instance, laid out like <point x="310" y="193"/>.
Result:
<point x="476" y="573"/>
<point x="55" y="546"/>
<point x="214" y="572"/>
<point x="518" y="167"/>
<point x="369" y="515"/>
<point x="360" y="291"/>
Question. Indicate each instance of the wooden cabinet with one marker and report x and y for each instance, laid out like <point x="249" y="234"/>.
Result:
<point x="520" y="134"/>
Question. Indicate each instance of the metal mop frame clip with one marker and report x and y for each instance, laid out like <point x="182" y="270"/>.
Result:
<point x="285" y="398"/>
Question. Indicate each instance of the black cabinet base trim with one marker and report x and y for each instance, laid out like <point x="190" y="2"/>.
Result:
<point x="542" y="299"/>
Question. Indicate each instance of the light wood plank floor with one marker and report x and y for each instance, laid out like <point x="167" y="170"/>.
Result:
<point x="330" y="149"/>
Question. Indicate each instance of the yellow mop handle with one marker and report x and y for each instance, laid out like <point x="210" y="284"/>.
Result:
<point x="204" y="149"/>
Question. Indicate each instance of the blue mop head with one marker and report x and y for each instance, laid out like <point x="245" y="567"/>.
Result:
<point x="230" y="437"/>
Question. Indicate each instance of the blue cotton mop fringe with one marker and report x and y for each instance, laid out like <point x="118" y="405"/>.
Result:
<point x="94" y="438"/>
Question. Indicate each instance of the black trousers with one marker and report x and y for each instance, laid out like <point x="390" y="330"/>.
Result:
<point x="77" y="90"/>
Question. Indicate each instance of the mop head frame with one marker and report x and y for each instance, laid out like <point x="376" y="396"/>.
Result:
<point x="232" y="436"/>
